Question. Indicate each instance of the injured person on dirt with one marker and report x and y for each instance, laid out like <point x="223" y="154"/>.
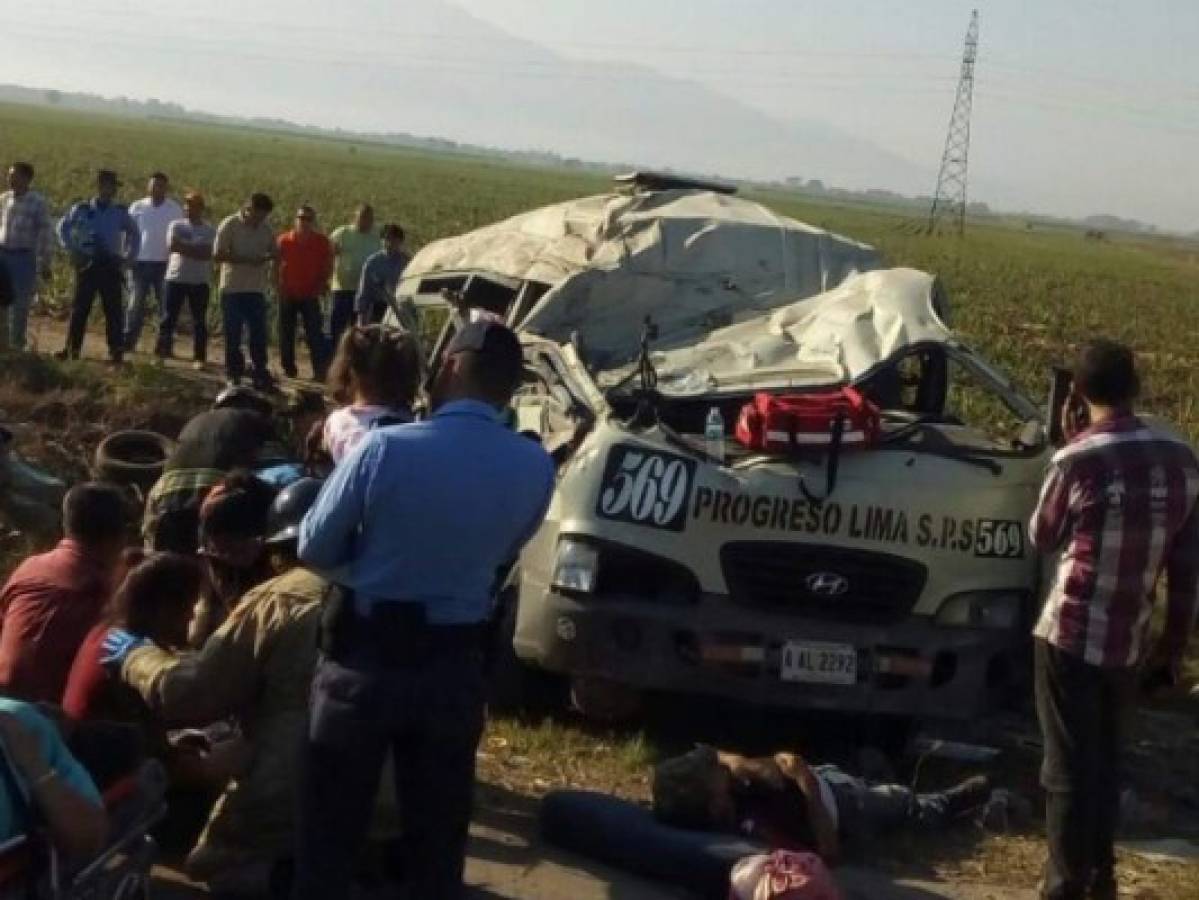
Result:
<point x="785" y="803"/>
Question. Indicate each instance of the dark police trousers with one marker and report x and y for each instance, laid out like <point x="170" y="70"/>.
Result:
<point x="103" y="277"/>
<point x="1083" y="710"/>
<point x="426" y="707"/>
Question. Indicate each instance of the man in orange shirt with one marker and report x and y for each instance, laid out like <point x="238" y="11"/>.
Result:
<point x="305" y="265"/>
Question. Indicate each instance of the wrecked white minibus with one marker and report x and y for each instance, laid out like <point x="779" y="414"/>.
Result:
<point x="904" y="586"/>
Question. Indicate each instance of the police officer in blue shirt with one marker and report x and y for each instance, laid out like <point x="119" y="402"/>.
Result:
<point x="416" y="525"/>
<point x="102" y="240"/>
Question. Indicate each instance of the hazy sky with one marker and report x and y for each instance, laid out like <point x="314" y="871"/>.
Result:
<point x="1081" y="105"/>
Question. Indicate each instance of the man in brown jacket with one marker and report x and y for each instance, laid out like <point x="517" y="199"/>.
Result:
<point x="257" y="668"/>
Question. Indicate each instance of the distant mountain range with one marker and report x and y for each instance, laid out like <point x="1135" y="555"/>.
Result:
<point x="158" y="109"/>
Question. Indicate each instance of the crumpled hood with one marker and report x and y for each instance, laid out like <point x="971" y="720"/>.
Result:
<point x="692" y="260"/>
<point x="835" y="337"/>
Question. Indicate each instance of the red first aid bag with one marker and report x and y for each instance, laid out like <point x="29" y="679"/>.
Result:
<point x="787" y="424"/>
<point x="828" y="421"/>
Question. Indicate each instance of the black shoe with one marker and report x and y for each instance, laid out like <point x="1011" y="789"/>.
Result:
<point x="970" y="795"/>
<point x="64" y="355"/>
<point x="292" y="372"/>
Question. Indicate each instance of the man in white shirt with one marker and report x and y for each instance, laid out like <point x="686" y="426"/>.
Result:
<point x="26" y="247"/>
<point x="153" y="215"/>
<point x="189" y="274"/>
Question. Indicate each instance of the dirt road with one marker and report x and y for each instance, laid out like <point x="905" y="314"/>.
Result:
<point x="508" y="861"/>
<point x="48" y="335"/>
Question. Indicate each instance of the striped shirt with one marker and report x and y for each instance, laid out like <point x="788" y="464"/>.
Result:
<point x="25" y="224"/>
<point x="1119" y="502"/>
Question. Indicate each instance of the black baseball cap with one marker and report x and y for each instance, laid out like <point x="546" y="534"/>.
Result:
<point x="107" y="176"/>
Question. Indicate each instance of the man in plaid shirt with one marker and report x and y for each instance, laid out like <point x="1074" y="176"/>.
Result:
<point x="1119" y="502"/>
<point x="26" y="247"/>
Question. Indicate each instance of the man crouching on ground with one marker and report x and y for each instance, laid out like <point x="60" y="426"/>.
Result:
<point x="257" y="667"/>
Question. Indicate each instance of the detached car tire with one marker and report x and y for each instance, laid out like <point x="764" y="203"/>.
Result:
<point x="134" y="458"/>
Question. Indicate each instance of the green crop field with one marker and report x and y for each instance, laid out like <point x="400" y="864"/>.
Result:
<point x="1023" y="296"/>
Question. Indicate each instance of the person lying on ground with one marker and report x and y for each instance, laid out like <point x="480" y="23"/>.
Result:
<point x="53" y="599"/>
<point x="375" y="374"/>
<point x="785" y="803"/>
<point x="233" y="529"/>
<point x="155" y="600"/>
<point x="258" y="668"/>
<point x="231" y="435"/>
<point x="43" y="785"/>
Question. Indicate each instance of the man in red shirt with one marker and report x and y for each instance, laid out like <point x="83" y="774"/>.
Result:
<point x="52" y="600"/>
<point x="1119" y="501"/>
<point x="305" y="265"/>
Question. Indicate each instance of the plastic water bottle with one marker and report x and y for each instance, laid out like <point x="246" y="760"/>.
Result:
<point x="714" y="435"/>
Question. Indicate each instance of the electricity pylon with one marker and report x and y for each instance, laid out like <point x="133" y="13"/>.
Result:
<point x="949" y="202"/>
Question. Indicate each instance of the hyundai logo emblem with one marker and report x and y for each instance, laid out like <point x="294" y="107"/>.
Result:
<point x="826" y="584"/>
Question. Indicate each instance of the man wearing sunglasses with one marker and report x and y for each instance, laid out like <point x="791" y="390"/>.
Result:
<point x="302" y="276"/>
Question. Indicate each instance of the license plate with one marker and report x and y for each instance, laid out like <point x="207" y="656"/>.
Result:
<point x="819" y="663"/>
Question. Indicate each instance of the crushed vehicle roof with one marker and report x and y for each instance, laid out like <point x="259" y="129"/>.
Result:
<point x="835" y="337"/>
<point x="693" y="260"/>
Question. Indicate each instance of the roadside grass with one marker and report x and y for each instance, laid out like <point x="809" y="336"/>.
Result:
<point x="60" y="411"/>
<point x="537" y="756"/>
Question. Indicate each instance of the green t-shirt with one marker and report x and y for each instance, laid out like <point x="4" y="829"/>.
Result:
<point x="353" y="247"/>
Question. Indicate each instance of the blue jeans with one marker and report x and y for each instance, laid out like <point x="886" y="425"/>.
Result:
<point x="196" y="296"/>
<point x="144" y="277"/>
<point x="429" y="718"/>
<point x="246" y="310"/>
<point x="865" y="809"/>
<point x="341" y="315"/>
<point x="22" y="272"/>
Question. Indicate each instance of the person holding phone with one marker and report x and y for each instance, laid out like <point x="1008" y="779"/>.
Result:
<point x="1119" y="503"/>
